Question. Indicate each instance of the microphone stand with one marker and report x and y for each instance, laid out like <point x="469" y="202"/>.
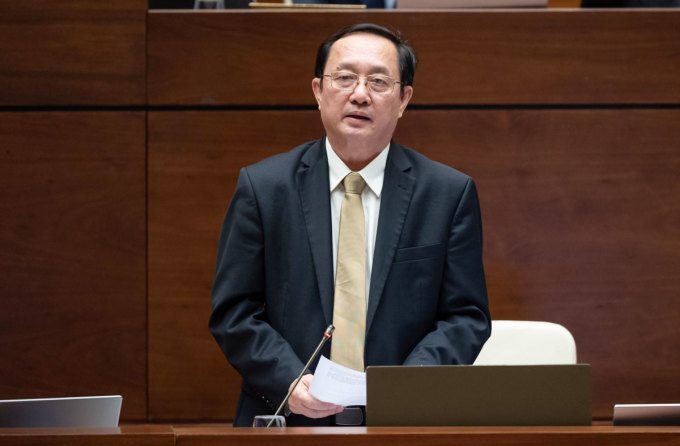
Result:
<point x="326" y="336"/>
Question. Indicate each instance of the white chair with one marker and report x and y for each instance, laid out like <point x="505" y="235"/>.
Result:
<point x="527" y="342"/>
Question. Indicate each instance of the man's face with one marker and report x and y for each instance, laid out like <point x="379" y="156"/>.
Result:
<point x="360" y="117"/>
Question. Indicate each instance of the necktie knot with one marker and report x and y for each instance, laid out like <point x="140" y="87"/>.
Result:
<point x="353" y="183"/>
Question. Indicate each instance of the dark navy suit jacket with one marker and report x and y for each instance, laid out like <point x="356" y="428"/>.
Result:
<point x="273" y="292"/>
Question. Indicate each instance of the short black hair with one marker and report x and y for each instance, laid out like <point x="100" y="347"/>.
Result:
<point x="406" y="55"/>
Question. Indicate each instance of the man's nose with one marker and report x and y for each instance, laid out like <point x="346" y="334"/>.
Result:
<point x="361" y="93"/>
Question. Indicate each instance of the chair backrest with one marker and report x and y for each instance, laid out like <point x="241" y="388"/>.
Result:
<point x="527" y="342"/>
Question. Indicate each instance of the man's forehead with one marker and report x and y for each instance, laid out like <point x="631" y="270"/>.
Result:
<point x="366" y="40"/>
<point x="383" y="51"/>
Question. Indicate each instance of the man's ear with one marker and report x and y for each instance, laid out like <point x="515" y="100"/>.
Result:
<point x="405" y="97"/>
<point x="317" y="89"/>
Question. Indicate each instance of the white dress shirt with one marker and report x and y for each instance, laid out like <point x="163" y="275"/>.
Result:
<point x="373" y="174"/>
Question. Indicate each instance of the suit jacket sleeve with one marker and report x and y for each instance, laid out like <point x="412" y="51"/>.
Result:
<point x="238" y="320"/>
<point x="463" y="320"/>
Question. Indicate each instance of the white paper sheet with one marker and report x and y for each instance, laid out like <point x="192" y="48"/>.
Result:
<point x="337" y="384"/>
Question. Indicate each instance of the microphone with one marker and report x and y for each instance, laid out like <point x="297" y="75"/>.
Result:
<point x="326" y="336"/>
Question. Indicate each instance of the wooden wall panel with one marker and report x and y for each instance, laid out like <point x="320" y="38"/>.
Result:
<point x="580" y="206"/>
<point x="466" y="57"/>
<point x="582" y="227"/>
<point x="73" y="52"/>
<point x="72" y="256"/>
<point x="194" y="160"/>
<point x="581" y="223"/>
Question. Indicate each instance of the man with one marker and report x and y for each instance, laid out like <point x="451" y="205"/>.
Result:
<point x="417" y="243"/>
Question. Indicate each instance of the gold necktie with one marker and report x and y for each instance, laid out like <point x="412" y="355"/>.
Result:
<point x="349" y="309"/>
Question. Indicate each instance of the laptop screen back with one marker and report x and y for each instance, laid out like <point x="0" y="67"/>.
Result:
<point x="91" y="411"/>
<point x="482" y="395"/>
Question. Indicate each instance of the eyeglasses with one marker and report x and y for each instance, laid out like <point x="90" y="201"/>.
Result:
<point x="377" y="83"/>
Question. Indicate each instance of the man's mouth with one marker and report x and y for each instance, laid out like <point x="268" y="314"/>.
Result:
<point x="358" y="116"/>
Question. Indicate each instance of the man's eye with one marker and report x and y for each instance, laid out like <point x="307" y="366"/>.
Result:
<point x="345" y="78"/>
<point x="379" y="81"/>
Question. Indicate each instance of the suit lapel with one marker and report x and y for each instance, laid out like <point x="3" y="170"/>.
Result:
<point x="313" y="186"/>
<point x="394" y="203"/>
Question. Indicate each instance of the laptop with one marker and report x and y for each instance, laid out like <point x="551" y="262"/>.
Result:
<point x="647" y="415"/>
<point x="479" y="395"/>
<point x="88" y="411"/>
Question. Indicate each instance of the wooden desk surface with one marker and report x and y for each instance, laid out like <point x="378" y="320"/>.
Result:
<point x="225" y="435"/>
<point x="132" y="435"/>
<point x="431" y="436"/>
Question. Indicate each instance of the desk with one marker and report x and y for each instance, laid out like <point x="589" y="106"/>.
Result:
<point x="431" y="436"/>
<point x="224" y="435"/>
<point x="128" y="435"/>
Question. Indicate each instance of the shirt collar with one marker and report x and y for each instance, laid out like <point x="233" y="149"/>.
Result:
<point x="373" y="174"/>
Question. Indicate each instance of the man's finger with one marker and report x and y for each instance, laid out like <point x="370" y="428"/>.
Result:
<point x="303" y="403"/>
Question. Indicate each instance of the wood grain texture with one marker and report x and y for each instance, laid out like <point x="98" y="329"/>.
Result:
<point x="564" y="3"/>
<point x="465" y="57"/>
<point x="374" y="436"/>
<point x="73" y="52"/>
<point x="72" y="256"/>
<point x="207" y="435"/>
<point x="581" y="221"/>
<point x="582" y="227"/>
<point x="126" y="435"/>
<point x="194" y="160"/>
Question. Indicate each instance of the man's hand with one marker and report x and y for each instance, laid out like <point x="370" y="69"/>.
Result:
<point x="303" y="403"/>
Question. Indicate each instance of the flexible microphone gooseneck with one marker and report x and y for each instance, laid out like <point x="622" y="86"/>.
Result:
<point x="326" y="336"/>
